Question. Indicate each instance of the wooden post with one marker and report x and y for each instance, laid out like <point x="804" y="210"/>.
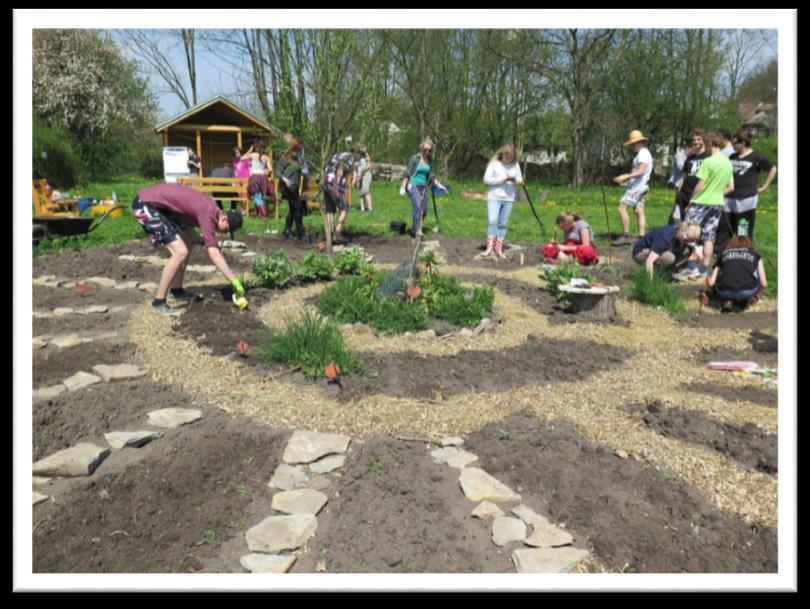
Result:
<point x="350" y="183"/>
<point x="239" y="139"/>
<point x="165" y="138"/>
<point x="199" y="152"/>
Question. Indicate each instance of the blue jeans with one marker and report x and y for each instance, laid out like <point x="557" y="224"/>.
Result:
<point x="419" y="201"/>
<point x="498" y="212"/>
<point x="737" y="294"/>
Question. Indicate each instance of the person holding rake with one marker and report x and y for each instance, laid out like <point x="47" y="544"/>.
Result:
<point x="502" y="175"/>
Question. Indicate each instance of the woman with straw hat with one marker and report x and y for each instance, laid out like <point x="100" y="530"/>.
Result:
<point x="637" y="182"/>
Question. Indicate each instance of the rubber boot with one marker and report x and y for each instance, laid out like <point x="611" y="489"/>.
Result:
<point x="499" y="249"/>
<point x="490" y="246"/>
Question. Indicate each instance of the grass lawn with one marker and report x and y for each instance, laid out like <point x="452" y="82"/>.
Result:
<point x="459" y="217"/>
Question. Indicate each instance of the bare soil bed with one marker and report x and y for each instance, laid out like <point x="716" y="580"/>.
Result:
<point x="182" y="503"/>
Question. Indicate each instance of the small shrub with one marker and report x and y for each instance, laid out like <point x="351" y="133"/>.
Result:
<point x="274" y="271"/>
<point x="310" y="342"/>
<point x="655" y="291"/>
<point x="351" y="262"/>
<point x="314" y="267"/>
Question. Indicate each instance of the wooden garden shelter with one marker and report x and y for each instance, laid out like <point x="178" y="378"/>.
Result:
<point x="212" y="128"/>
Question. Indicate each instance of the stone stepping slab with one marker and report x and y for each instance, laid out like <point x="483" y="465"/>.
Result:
<point x="457" y="442"/>
<point x="118" y="373"/>
<point x="278" y="533"/>
<point x="48" y="393"/>
<point x="547" y="560"/>
<point x="506" y="530"/>
<point x="70" y="340"/>
<point x="80" y="380"/>
<point x="529" y="516"/>
<point x="327" y="464"/>
<point x="267" y="563"/>
<point x="487" y="509"/>
<point x="548" y="536"/>
<point x="130" y="439"/>
<point x="289" y="478"/>
<point x="304" y="501"/>
<point x="127" y="285"/>
<point x="236" y="245"/>
<point x="309" y="446"/>
<point x="462" y="459"/>
<point x="40" y="480"/>
<point x="104" y="282"/>
<point x="477" y="485"/>
<point x="79" y="460"/>
<point x="172" y="418"/>
<point x="39" y="498"/>
<point x="201" y="268"/>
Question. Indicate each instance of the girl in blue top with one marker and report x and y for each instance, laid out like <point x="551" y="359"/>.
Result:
<point x="417" y="178"/>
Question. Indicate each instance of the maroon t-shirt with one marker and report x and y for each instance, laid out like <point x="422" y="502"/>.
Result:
<point x="188" y="206"/>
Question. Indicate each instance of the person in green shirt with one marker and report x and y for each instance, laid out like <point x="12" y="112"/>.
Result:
<point x="715" y="180"/>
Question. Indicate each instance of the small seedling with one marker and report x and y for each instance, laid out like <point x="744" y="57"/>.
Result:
<point x="374" y="467"/>
<point x="208" y="537"/>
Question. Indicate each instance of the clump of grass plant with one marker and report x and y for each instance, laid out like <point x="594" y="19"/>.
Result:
<point x="310" y="342"/>
<point x="655" y="291"/>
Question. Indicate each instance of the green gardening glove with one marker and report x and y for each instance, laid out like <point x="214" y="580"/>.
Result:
<point x="239" y="294"/>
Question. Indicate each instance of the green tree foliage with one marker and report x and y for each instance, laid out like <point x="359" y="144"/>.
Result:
<point x="762" y="85"/>
<point x="87" y="90"/>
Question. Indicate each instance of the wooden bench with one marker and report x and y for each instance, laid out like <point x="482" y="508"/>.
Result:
<point x="221" y="189"/>
<point x="44" y="205"/>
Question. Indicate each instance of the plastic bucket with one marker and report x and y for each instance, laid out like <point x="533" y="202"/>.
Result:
<point x="398" y="227"/>
<point x="100" y="210"/>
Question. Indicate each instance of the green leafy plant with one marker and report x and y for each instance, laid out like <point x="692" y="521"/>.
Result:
<point x="464" y="308"/>
<point x="314" y="267"/>
<point x="351" y="262"/>
<point x="273" y="271"/>
<point x="310" y="342"/>
<point x="430" y="261"/>
<point x="655" y="291"/>
<point x="562" y="274"/>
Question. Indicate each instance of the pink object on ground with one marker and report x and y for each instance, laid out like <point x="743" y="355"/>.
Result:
<point x="744" y="366"/>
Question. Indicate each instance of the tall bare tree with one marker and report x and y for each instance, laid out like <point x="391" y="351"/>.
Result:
<point x="154" y="50"/>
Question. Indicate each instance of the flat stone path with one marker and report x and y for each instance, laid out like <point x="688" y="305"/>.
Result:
<point x="553" y="552"/>
<point x="300" y="503"/>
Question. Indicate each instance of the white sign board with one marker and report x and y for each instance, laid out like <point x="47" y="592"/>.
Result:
<point x="175" y="163"/>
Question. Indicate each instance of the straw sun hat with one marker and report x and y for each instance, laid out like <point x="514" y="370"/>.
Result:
<point x="635" y="136"/>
